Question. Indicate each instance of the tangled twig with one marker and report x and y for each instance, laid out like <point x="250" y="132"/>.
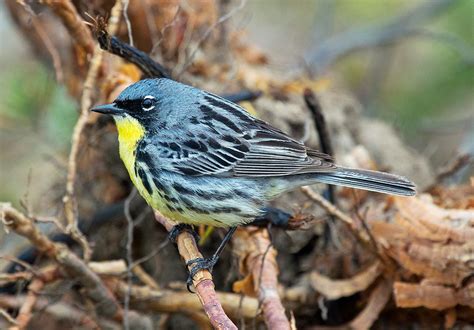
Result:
<point x="70" y="203"/>
<point x="333" y="210"/>
<point x="72" y="265"/>
<point x="258" y="258"/>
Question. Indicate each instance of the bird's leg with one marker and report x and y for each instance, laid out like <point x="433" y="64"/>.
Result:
<point x="178" y="229"/>
<point x="208" y="263"/>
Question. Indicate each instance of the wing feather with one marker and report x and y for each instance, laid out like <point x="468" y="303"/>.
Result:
<point x="227" y="141"/>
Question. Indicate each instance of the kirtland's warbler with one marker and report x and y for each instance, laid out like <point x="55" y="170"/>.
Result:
<point x="201" y="159"/>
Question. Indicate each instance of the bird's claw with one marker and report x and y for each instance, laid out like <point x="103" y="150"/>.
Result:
<point x="199" y="264"/>
<point x="178" y="229"/>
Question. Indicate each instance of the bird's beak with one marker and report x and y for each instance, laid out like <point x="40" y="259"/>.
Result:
<point x="108" y="109"/>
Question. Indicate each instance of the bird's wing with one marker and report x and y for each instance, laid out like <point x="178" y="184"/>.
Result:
<point x="225" y="140"/>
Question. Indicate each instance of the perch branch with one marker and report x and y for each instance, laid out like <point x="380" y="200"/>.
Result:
<point x="202" y="281"/>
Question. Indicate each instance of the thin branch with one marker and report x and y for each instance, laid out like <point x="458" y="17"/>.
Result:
<point x="453" y="167"/>
<point x="314" y="107"/>
<point x="70" y="203"/>
<point x="25" y="313"/>
<point x="60" y="311"/>
<point x="147" y="299"/>
<point x="167" y="26"/>
<point x="125" y="4"/>
<point x="8" y="317"/>
<point x="254" y="248"/>
<point x="130" y="225"/>
<point x="76" y="268"/>
<point x="333" y="210"/>
<point x="48" y="44"/>
<point x="208" y="32"/>
<point x="73" y="22"/>
<point x="202" y="281"/>
<point x="113" y="45"/>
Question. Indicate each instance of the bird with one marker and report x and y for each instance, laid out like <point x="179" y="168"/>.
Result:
<point x="200" y="159"/>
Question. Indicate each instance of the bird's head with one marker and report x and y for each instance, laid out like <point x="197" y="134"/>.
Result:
<point x="140" y="101"/>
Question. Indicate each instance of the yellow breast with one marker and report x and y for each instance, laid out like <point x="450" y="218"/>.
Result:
<point x="130" y="132"/>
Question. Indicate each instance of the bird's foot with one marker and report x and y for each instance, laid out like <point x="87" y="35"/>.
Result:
<point x="178" y="229"/>
<point x="200" y="264"/>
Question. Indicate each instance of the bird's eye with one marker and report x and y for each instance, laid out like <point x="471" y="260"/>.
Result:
<point x="148" y="103"/>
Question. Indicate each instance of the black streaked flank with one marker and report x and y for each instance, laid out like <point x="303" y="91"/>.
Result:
<point x="170" y="199"/>
<point x="182" y="189"/>
<point x="144" y="178"/>
<point x="217" y="195"/>
<point x="225" y="209"/>
<point x="160" y="186"/>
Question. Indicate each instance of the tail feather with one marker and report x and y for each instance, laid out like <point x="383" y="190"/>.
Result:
<point x="369" y="180"/>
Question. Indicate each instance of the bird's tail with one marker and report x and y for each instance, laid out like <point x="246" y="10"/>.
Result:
<point x="368" y="180"/>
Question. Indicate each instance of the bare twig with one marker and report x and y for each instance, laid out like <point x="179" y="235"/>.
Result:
<point x="130" y="225"/>
<point x="167" y="26"/>
<point x="454" y="166"/>
<point x="202" y="281"/>
<point x="326" y="147"/>
<point x="60" y="311"/>
<point x="319" y="122"/>
<point x="207" y="33"/>
<point x="76" y="27"/>
<point x="333" y="210"/>
<point x="105" y="303"/>
<point x="166" y="301"/>
<point x="258" y="258"/>
<point x="47" y="275"/>
<point x="8" y="317"/>
<point x="70" y="203"/>
<point x="48" y="44"/>
<point x="25" y="313"/>
<point x="145" y="278"/>
<point x="115" y="46"/>
<point x="125" y="4"/>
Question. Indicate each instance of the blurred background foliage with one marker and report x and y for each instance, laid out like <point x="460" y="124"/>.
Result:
<point x="422" y="84"/>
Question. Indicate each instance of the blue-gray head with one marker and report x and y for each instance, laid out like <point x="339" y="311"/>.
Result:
<point x="149" y="99"/>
